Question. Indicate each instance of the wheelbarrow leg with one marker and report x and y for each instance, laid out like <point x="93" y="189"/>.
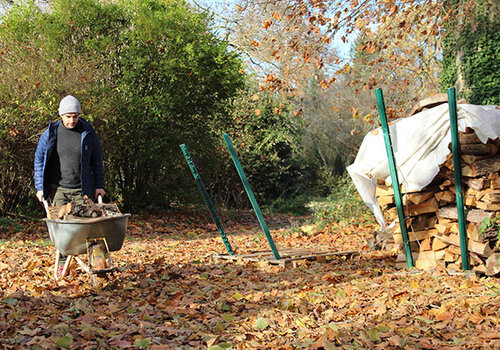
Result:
<point x="58" y="273"/>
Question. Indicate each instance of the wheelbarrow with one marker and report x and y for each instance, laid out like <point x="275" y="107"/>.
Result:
<point x="96" y="237"/>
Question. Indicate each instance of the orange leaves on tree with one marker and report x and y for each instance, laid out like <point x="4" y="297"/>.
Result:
<point x="267" y="23"/>
<point x="368" y="48"/>
<point x="355" y="112"/>
<point x="324" y="84"/>
<point x="254" y="43"/>
<point x="273" y="82"/>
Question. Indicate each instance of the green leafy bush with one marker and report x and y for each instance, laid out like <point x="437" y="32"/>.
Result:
<point x="148" y="74"/>
<point x="267" y="140"/>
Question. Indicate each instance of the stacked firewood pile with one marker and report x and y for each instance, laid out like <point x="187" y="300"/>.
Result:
<point x="431" y="214"/>
<point x="88" y="209"/>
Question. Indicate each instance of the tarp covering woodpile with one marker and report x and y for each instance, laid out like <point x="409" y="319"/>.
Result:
<point x="422" y="150"/>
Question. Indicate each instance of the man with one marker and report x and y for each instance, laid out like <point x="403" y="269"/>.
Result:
<point x="68" y="158"/>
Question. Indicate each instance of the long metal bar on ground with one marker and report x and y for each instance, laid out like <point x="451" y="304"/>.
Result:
<point x="207" y="198"/>
<point x="394" y="178"/>
<point x="457" y="170"/>
<point x="251" y="196"/>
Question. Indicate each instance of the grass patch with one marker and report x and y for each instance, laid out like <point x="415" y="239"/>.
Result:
<point x="343" y="204"/>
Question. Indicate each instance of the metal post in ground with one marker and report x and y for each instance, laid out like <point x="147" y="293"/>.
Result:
<point x="457" y="170"/>
<point x="207" y="198"/>
<point x="251" y="196"/>
<point x="394" y="178"/>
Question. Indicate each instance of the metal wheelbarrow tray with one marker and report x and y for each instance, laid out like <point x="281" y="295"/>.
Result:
<point x="83" y="236"/>
<point x="70" y="236"/>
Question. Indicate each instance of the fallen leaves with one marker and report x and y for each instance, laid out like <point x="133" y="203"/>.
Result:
<point x="168" y="293"/>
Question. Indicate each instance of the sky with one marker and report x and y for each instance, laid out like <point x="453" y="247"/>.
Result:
<point x="225" y="7"/>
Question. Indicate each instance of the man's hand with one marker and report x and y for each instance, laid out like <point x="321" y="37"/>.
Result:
<point x="99" y="191"/>
<point x="39" y="195"/>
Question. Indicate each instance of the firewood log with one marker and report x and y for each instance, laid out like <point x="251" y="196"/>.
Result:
<point x="479" y="149"/>
<point x="468" y="138"/>
<point x="474" y="215"/>
<point x="481" y="249"/>
<point x="493" y="265"/>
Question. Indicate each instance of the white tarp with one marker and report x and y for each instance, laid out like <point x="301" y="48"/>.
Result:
<point x="420" y="145"/>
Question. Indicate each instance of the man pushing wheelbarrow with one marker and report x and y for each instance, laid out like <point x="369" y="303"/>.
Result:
<point x="69" y="168"/>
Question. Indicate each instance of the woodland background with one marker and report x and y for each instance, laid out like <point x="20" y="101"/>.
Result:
<point x="153" y="74"/>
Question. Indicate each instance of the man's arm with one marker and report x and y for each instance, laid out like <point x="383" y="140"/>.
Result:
<point x="39" y="164"/>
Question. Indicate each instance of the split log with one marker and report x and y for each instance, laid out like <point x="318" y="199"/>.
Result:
<point x="383" y="190"/>
<point x="475" y="260"/>
<point x="493" y="265"/>
<point x="470" y="201"/>
<point x="418" y="223"/>
<point x="473" y="232"/>
<point x="474" y="215"/>
<point x="491" y="196"/>
<point x="488" y="206"/>
<point x="429" y="259"/>
<point x="449" y="256"/>
<point x="456" y="266"/>
<point x="425" y="245"/>
<point x="416" y="236"/>
<point x="455" y="250"/>
<point x="429" y="206"/>
<point x="445" y="197"/>
<point x="481" y="269"/>
<point x="478" y="184"/>
<point x="481" y="249"/>
<point x="479" y="149"/>
<point x="438" y="244"/>
<point x="88" y="209"/>
<point x="483" y="167"/>
<point x="443" y="228"/>
<point x="419" y="197"/>
<point x="494" y="181"/>
<point x="384" y="201"/>
<point x="468" y="138"/>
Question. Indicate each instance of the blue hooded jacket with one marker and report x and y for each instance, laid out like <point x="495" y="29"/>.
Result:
<point x="92" y="174"/>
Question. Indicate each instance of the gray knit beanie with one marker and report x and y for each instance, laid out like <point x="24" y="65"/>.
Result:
<point x="69" y="104"/>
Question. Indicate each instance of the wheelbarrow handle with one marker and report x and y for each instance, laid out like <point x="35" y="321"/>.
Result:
<point x="46" y="206"/>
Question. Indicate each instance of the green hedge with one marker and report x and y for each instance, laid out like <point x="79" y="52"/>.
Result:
<point x="475" y="39"/>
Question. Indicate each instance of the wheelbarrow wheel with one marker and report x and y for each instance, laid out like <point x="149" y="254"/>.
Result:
<point x="99" y="260"/>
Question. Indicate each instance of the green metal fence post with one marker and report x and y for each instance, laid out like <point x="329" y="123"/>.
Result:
<point x="394" y="177"/>
<point x="207" y="199"/>
<point x="251" y="196"/>
<point x="457" y="170"/>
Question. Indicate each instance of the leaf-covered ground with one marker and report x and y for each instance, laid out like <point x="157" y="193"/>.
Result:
<point x="168" y="293"/>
